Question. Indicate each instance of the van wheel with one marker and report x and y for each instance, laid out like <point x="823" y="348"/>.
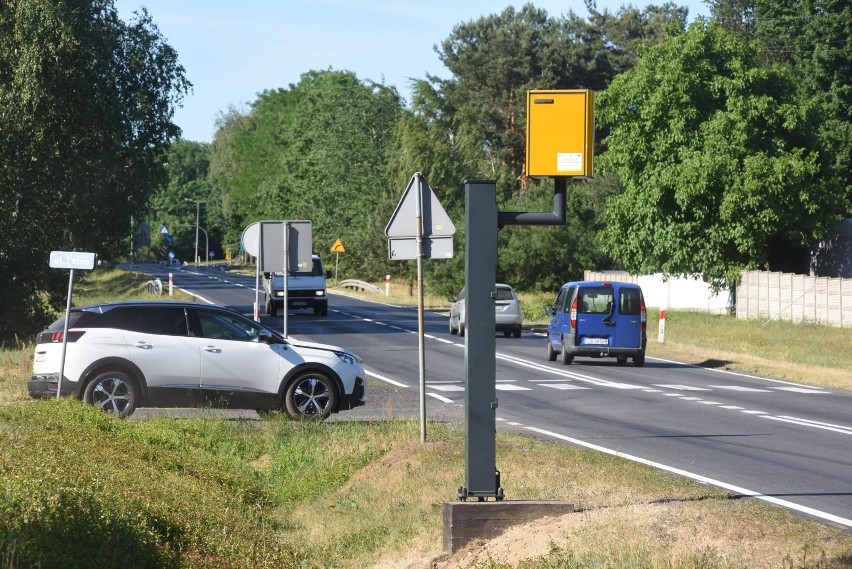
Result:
<point x="565" y="356"/>
<point x="551" y="353"/>
<point x="622" y="360"/>
<point x="453" y="331"/>
<point x="273" y="309"/>
<point x="639" y="360"/>
<point x="113" y="392"/>
<point x="517" y="333"/>
<point x="461" y="329"/>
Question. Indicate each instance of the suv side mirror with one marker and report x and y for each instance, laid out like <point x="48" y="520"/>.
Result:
<point x="549" y="310"/>
<point x="265" y="337"/>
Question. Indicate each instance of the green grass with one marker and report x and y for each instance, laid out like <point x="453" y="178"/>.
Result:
<point x="85" y="489"/>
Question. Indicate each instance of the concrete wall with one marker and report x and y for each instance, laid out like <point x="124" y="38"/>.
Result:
<point x="798" y="298"/>
<point x="681" y="293"/>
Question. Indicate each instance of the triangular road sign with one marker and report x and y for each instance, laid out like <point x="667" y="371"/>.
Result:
<point x="337" y="247"/>
<point x="434" y="220"/>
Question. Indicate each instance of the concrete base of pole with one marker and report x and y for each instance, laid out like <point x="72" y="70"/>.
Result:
<point x="468" y="521"/>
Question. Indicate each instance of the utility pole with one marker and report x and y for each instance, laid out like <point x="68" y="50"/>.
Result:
<point x="197" y="216"/>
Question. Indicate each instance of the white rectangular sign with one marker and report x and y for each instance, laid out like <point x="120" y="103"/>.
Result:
<point x="403" y="248"/>
<point x="72" y="260"/>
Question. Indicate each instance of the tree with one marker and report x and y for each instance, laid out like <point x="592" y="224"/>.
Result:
<point x="813" y="38"/>
<point x="718" y="160"/>
<point x="187" y="165"/>
<point x="319" y="151"/>
<point x="86" y="105"/>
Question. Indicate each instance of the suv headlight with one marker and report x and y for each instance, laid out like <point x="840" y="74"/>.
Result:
<point x="348" y="357"/>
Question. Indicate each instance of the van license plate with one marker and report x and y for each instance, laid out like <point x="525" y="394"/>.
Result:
<point x="596" y="341"/>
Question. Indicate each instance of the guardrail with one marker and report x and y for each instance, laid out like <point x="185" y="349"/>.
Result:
<point x="358" y="285"/>
<point x="155" y="287"/>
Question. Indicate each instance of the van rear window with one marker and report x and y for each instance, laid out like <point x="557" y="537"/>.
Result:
<point x="595" y="300"/>
<point x="629" y="301"/>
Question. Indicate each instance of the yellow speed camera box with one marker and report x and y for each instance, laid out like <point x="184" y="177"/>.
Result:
<point x="560" y="133"/>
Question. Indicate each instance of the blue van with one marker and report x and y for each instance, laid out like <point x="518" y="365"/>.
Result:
<point x="597" y="319"/>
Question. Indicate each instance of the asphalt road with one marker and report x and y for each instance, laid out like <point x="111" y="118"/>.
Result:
<point x="785" y="443"/>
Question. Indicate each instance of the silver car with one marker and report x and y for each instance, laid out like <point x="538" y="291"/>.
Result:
<point x="507" y="312"/>
<point x="124" y="355"/>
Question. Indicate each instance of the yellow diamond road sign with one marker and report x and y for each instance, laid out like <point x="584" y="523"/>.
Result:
<point x="338" y="247"/>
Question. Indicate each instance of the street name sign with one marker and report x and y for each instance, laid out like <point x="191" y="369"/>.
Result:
<point x="72" y="260"/>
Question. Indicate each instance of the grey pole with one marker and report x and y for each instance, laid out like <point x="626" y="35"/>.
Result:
<point x="480" y="266"/>
<point x="197" y="221"/>
<point x="420" y="325"/>
<point x="65" y="334"/>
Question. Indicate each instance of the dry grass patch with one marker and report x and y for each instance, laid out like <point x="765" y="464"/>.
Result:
<point x="712" y="534"/>
<point x="807" y="374"/>
<point x="16" y="366"/>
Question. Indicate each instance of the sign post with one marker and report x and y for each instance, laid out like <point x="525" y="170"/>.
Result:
<point x="560" y="144"/>
<point x="420" y="229"/>
<point x="337" y="248"/>
<point x="69" y="260"/>
<point x="278" y="246"/>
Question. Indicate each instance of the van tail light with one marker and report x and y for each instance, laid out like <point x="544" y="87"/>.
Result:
<point x="643" y="315"/>
<point x="574" y="314"/>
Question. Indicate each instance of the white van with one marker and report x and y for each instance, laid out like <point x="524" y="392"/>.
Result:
<point x="305" y="289"/>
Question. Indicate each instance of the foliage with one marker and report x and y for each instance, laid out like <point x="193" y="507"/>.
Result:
<point x="318" y="151"/>
<point x="815" y="40"/>
<point x="86" y="104"/>
<point x="719" y="164"/>
<point x="187" y="164"/>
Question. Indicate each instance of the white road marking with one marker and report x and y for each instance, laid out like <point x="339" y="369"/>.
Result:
<point x="806" y="390"/>
<point x="385" y="379"/>
<point x="698" y="477"/>
<point x="815" y="424"/>
<point x="440" y="397"/>
<point x="447" y="387"/>
<point x="680" y="387"/>
<point x="739" y="388"/>
<point x="511" y="387"/>
<point x="563" y="386"/>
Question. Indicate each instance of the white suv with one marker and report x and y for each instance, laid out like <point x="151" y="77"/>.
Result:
<point x="125" y="355"/>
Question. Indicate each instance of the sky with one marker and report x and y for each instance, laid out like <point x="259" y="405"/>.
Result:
<point x="232" y="50"/>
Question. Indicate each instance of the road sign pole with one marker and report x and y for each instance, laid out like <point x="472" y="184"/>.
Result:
<point x="482" y="478"/>
<point x="65" y="334"/>
<point x="420" y="325"/>
<point x="286" y="273"/>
